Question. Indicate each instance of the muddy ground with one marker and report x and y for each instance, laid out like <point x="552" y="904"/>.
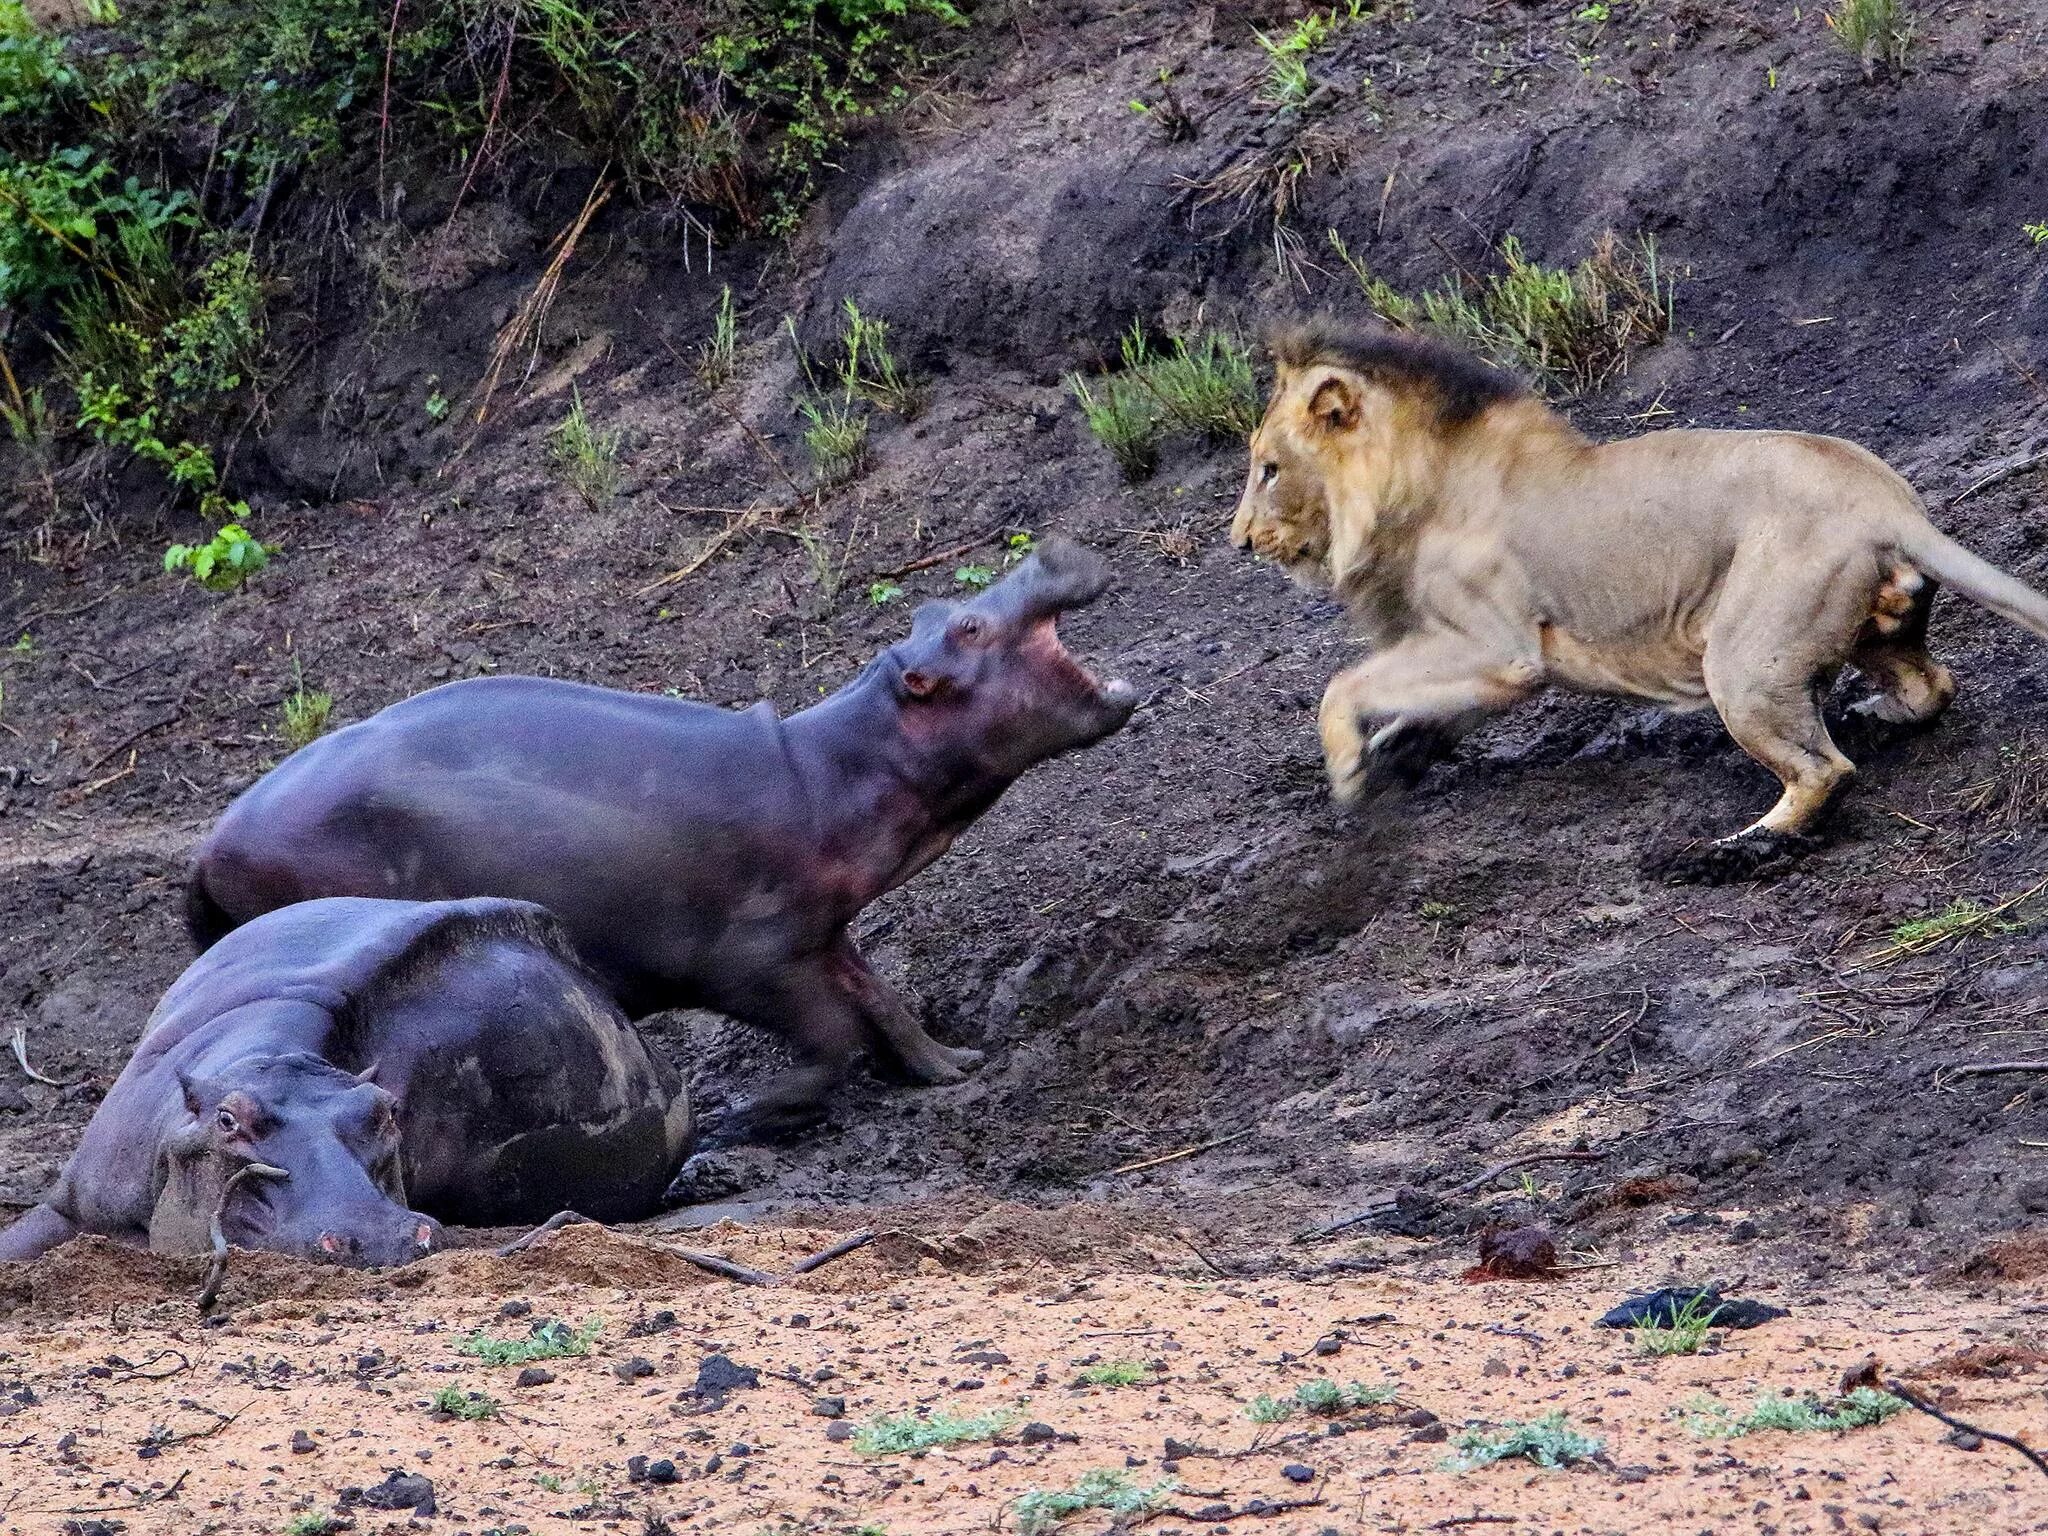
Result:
<point x="1173" y="939"/>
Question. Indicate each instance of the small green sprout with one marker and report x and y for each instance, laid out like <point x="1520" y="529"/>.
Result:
<point x="1115" y="1373"/>
<point x="465" y="1405"/>
<point x="1018" y="546"/>
<point x="975" y="576"/>
<point x="224" y="561"/>
<point x="311" y="1523"/>
<point x="2036" y="233"/>
<point x="25" y="647"/>
<point x="882" y="593"/>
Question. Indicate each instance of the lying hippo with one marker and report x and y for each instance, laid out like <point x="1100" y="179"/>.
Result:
<point x="402" y="1063"/>
<point x="698" y="857"/>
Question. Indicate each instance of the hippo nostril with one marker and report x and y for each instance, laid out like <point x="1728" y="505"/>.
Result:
<point x="339" y="1244"/>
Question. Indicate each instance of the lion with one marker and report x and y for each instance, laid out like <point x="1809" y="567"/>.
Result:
<point x="1488" y="549"/>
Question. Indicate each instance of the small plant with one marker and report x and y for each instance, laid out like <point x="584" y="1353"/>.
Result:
<point x="550" y="1339"/>
<point x="1038" y="1512"/>
<point x="1018" y="547"/>
<point x="464" y="1405"/>
<point x="1686" y="1333"/>
<point x="905" y="1434"/>
<point x="587" y="459"/>
<point x="1288" y="83"/>
<point x="1548" y="1441"/>
<point x="2036" y="233"/>
<point x="975" y="576"/>
<point x="311" y="1523"/>
<point x="1878" y="32"/>
<point x="719" y="360"/>
<point x="1115" y="1373"/>
<point x="25" y="647"/>
<point x="1437" y="911"/>
<point x="305" y="713"/>
<point x="1202" y="385"/>
<point x="869" y="371"/>
<point x="224" y="561"/>
<point x="1576" y="327"/>
<point x="437" y="405"/>
<point x="1321" y="1396"/>
<point x="882" y="593"/>
<point x="552" y="1482"/>
<point x="835" y="436"/>
<point x="1798" y="1415"/>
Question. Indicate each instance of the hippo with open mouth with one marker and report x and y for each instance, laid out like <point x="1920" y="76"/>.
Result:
<point x="338" y="1078"/>
<point x="698" y="857"/>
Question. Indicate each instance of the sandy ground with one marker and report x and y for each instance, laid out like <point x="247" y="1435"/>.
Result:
<point x="127" y="1409"/>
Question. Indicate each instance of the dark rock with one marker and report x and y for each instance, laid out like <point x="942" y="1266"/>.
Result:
<point x="660" y="1322"/>
<point x="516" y="1308"/>
<point x="1661" y="1309"/>
<point x="302" y="1443"/>
<point x="740" y="1448"/>
<point x="718" y="1375"/>
<point x="400" y="1490"/>
<point x="1295" y="1472"/>
<point x="662" y="1471"/>
<point x="1180" y="1450"/>
<point x="1515" y="1253"/>
<point x="839" y="1433"/>
<point x="1036" y="1433"/>
<point x="828" y="1407"/>
<point x="633" y="1369"/>
<point x="533" y="1376"/>
<point x="1966" y="1440"/>
<point x="1327" y="1347"/>
<point x="1430" y="1434"/>
<point x="1416" y="1418"/>
<point x="636" y="1469"/>
<point x="969" y="1384"/>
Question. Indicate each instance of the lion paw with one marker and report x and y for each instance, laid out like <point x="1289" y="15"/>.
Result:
<point x="1745" y="856"/>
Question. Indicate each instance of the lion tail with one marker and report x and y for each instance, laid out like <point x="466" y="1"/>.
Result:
<point x="1975" y="577"/>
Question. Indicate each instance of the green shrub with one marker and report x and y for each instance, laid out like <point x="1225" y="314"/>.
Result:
<point x="550" y="1339"/>
<point x="1115" y="1373"/>
<point x="1288" y="83"/>
<point x="464" y="1405"/>
<point x="1321" y="1396"/>
<point x="869" y="370"/>
<point x="1685" y="1335"/>
<point x="1125" y="419"/>
<point x="224" y="561"/>
<point x="835" y="436"/>
<point x="306" y="715"/>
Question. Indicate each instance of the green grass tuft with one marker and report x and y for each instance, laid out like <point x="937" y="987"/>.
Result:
<point x="585" y="458"/>
<point x="1797" y="1415"/>
<point x="1688" y="1330"/>
<point x="835" y="436"/>
<point x="1115" y="1373"/>
<point x="1038" y="1512"/>
<point x="1878" y="32"/>
<point x="1321" y="1396"/>
<point x="906" y="1434"/>
<point x="1548" y="1441"/>
<point x="306" y="713"/>
<point x="1201" y="385"/>
<point x="311" y="1523"/>
<point x="719" y="360"/>
<point x="549" y="1340"/>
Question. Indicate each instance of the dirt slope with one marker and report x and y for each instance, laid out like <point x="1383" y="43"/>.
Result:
<point x="1174" y="939"/>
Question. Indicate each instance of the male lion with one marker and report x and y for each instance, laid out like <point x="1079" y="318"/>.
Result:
<point x="1488" y="549"/>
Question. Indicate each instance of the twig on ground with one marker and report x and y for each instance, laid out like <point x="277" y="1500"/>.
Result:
<point x="726" y="1267"/>
<point x="1174" y="1157"/>
<point x="1997" y="476"/>
<point x="1454" y="1521"/>
<point x="1976" y="1069"/>
<point x="554" y="1223"/>
<point x="217" y="1271"/>
<point x="1387" y="1202"/>
<point x="926" y="562"/>
<point x="1913" y="1399"/>
<point x="143" y="1372"/>
<point x="838" y="1250"/>
<point x="20" y="1043"/>
<point x="126" y="742"/>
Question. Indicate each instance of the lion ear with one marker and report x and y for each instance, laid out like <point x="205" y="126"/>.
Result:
<point x="1335" y="403"/>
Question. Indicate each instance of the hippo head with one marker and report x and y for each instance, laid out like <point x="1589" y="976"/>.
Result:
<point x="334" y="1138"/>
<point x="989" y="678"/>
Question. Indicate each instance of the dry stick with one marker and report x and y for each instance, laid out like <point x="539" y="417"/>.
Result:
<point x="838" y="1250"/>
<point x="128" y="741"/>
<point x="1174" y="1157"/>
<point x="20" y="1043"/>
<point x="384" y="110"/>
<point x="217" y="1271"/>
<point x="926" y="562"/>
<point x="483" y="143"/>
<point x="1913" y="1399"/>
<point x="554" y="1223"/>
<point x="1986" y="1069"/>
<point x="725" y="1267"/>
<point x="1998" y="476"/>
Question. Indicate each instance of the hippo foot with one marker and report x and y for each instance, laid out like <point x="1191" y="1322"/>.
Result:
<point x="949" y="1064"/>
<point x="1746" y="856"/>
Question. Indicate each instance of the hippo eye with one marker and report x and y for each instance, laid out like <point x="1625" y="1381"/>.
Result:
<point x="968" y="627"/>
<point x="1268" y="472"/>
<point x="226" y="1121"/>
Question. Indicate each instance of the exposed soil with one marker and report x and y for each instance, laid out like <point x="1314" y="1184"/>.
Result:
<point x="1172" y="939"/>
<point x="326" y="1379"/>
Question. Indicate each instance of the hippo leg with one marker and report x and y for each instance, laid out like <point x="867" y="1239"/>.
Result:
<point x="810" y="1006"/>
<point x="40" y="1229"/>
<point x="922" y="1056"/>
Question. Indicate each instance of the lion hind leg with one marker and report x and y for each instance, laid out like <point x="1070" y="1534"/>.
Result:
<point x="1781" y="727"/>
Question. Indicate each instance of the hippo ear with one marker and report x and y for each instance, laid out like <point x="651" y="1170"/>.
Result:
<point x="191" y="1092"/>
<point x="369" y="1073"/>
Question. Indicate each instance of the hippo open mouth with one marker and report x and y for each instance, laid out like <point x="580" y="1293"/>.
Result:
<point x="1043" y="645"/>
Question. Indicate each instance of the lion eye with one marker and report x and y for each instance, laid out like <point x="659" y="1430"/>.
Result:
<point x="1268" y="472"/>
